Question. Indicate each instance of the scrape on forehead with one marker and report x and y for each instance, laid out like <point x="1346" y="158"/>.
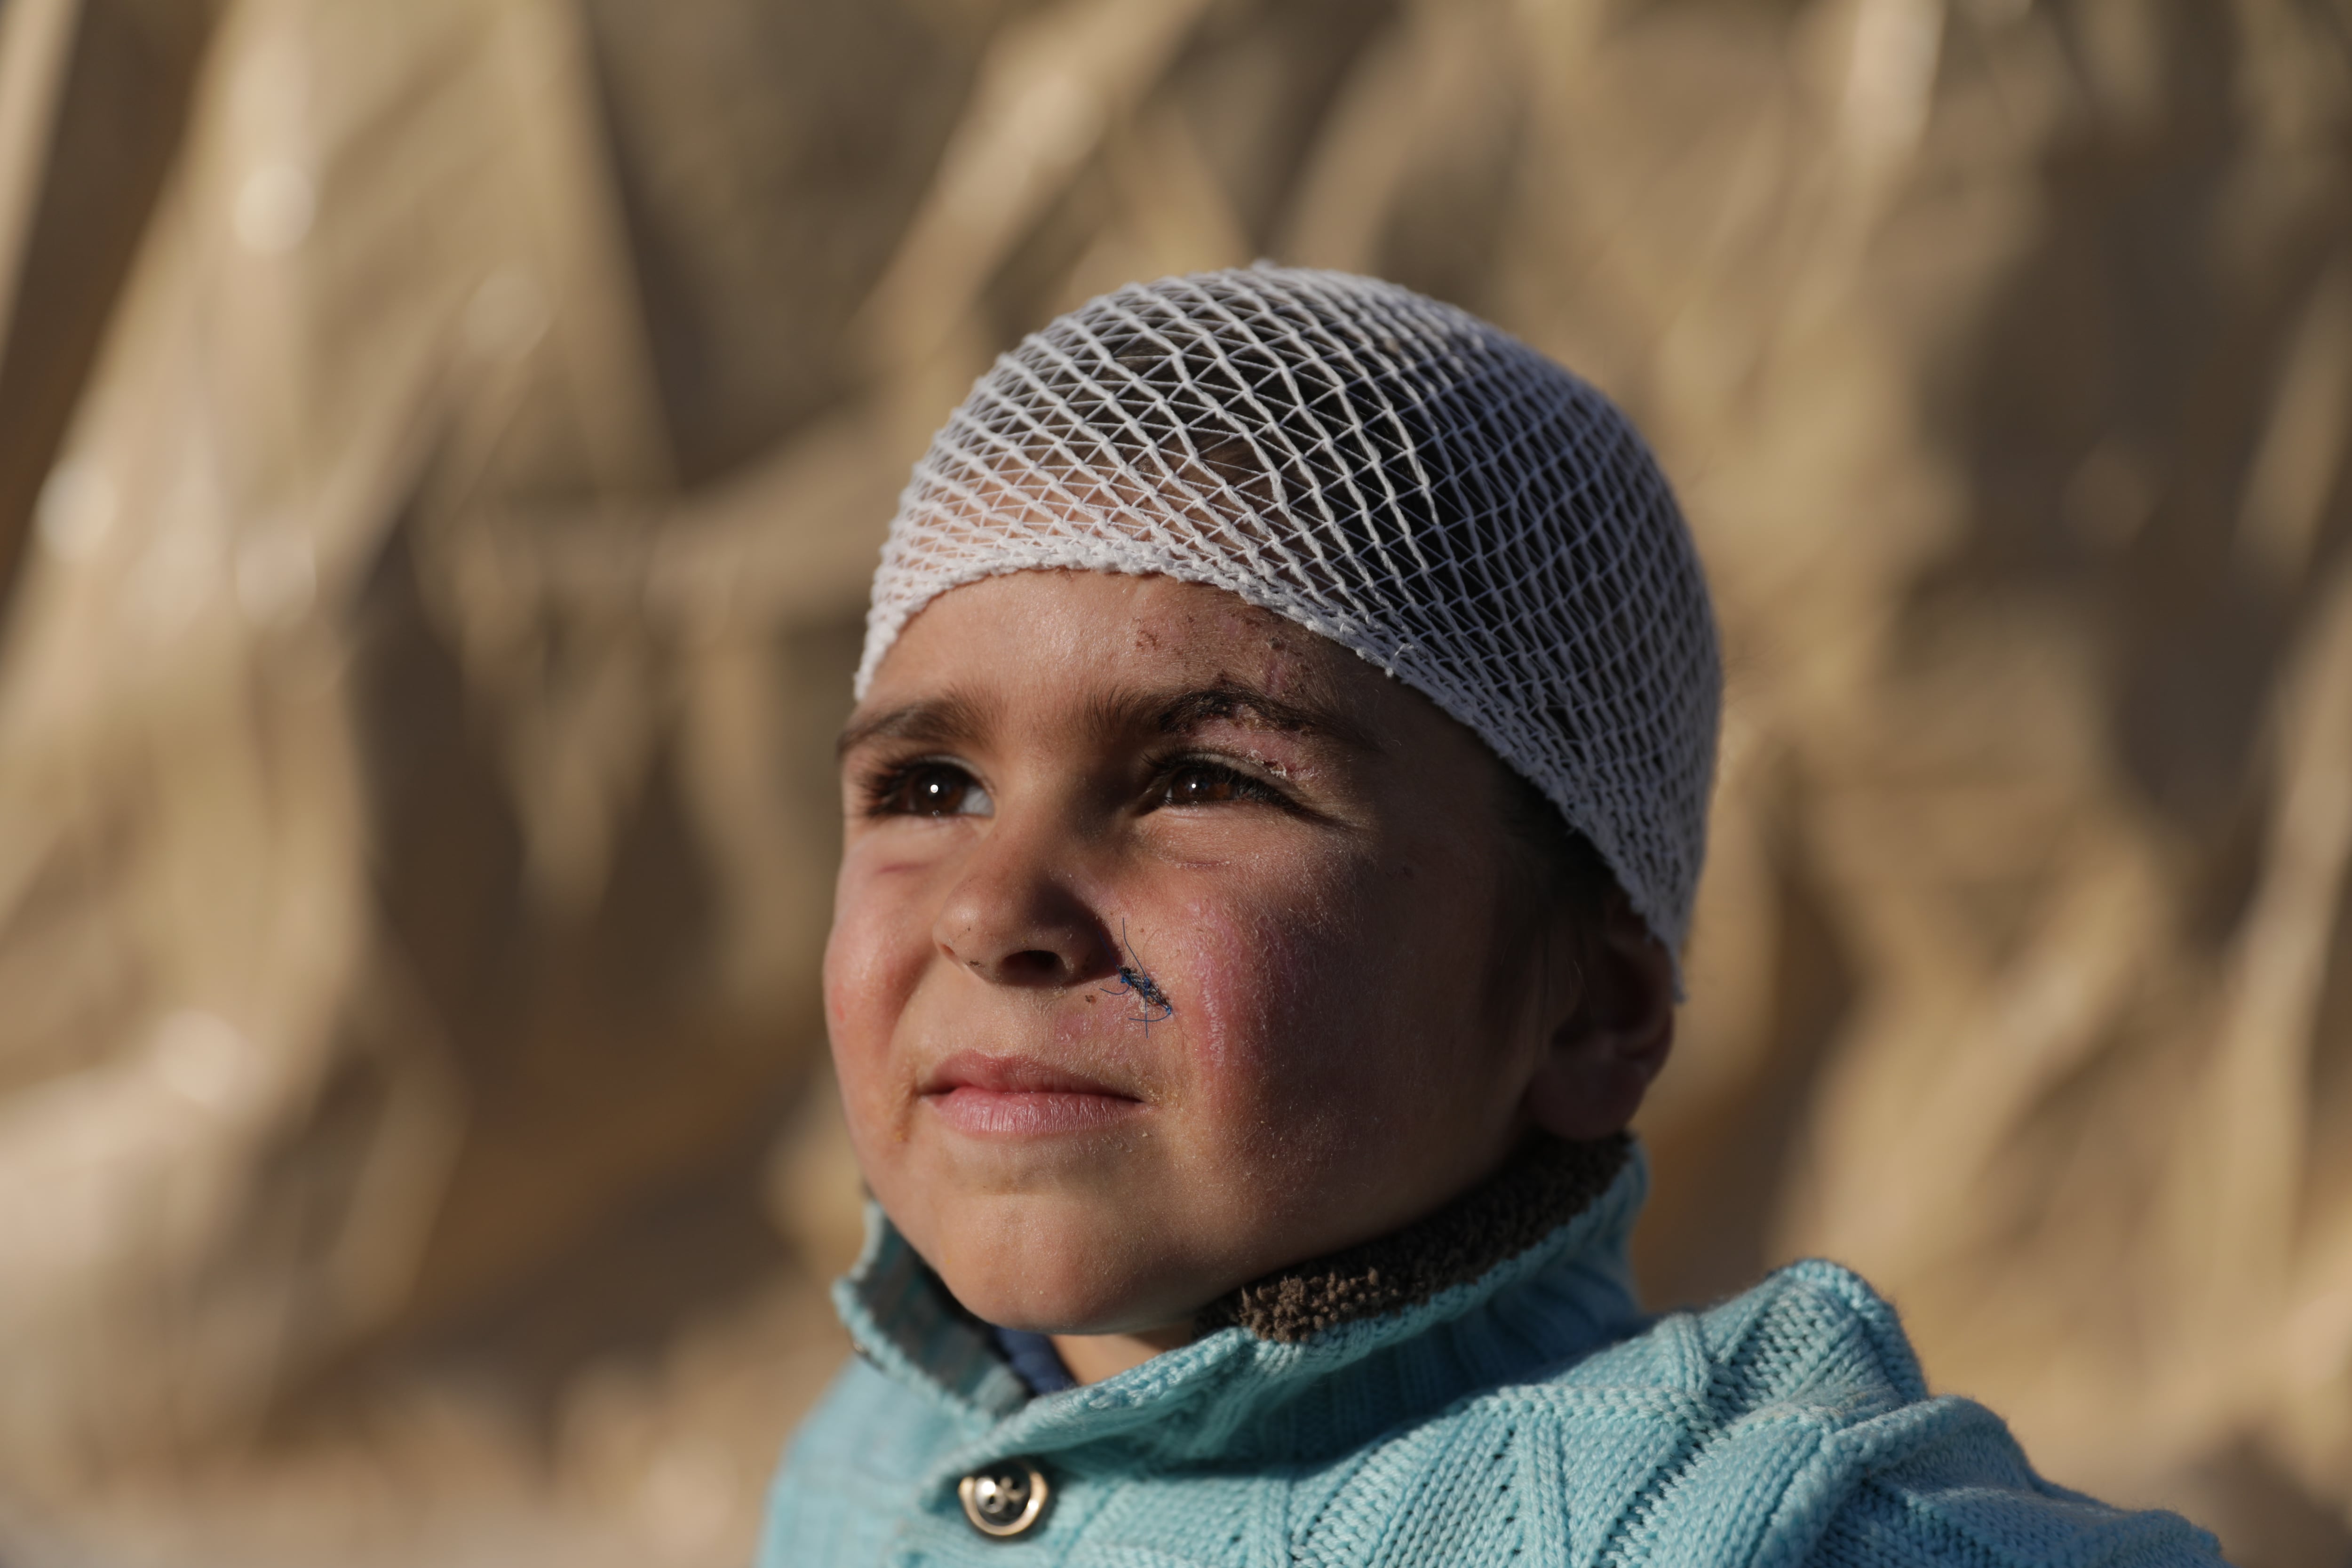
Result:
<point x="1267" y="644"/>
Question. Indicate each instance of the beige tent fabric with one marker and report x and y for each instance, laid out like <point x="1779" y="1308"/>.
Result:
<point x="416" y="859"/>
<point x="448" y="442"/>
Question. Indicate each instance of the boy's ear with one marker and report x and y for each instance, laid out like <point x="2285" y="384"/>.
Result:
<point x="1618" y="983"/>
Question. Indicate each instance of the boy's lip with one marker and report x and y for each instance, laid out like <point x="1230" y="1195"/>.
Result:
<point x="977" y="1093"/>
<point x="1010" y="1075"/>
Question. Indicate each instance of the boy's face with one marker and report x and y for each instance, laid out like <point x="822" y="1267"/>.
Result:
<point x="1059" y="776"/>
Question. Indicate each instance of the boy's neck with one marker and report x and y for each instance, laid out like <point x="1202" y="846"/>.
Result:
<point x="1091" y="1358"/>
<point x="1545" y="1183"/>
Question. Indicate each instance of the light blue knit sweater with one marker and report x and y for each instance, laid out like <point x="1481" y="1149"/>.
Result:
<point x="1533" y="1417"/>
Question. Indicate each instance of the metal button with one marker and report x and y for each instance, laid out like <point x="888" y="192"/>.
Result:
<point x="1004" y="1499"/>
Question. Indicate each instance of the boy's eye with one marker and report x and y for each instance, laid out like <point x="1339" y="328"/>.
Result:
<point x="1206" y="783"/>
<point x="930" y="789"/>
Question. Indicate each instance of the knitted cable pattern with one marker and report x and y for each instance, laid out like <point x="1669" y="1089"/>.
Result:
<point x="1533" y="1418"/>
<point x="1391" y="472"/>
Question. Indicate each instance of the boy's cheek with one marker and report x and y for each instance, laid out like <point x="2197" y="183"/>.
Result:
<point x="1275" y="993"/>
<point x="1321" y="990"/>
<point x="874" y="957"/>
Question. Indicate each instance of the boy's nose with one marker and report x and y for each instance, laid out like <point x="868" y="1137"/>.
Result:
<point x="1012" y="919"/>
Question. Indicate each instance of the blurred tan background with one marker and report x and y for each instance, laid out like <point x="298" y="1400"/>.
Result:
<point x="442" y="446"/>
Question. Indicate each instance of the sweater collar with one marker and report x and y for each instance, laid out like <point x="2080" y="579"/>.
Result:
<point x="1331" y="1352"/>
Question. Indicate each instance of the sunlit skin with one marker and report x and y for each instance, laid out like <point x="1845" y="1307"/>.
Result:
<point x="1057" y="774"/>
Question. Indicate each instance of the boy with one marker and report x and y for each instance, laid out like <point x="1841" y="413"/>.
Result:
<point x="1274" y="802"/>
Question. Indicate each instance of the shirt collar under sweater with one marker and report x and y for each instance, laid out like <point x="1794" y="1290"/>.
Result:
<point x="1233" y="1396"/>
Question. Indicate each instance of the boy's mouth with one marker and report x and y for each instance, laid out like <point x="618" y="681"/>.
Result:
<point x="991" y="1096"/>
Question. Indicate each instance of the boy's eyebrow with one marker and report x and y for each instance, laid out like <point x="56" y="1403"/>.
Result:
<point x="936" y="720"/>
<point x="1231" y="699"/>
<point x="952" y="719"/>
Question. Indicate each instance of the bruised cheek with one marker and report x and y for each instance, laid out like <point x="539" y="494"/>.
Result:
<point x="1282" y="1005"/>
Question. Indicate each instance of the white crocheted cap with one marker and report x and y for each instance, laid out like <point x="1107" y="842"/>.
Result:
<point x="1386" y="470"/>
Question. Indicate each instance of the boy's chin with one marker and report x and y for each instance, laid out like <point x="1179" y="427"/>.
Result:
<point x="1079" y="1288"/>
<point x="1078" y="1309"/>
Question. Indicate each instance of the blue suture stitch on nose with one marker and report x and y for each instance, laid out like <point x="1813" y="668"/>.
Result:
<point x="1133" y="981"/>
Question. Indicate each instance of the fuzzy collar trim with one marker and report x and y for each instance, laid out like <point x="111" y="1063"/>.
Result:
<point x="1546" y="1183"/>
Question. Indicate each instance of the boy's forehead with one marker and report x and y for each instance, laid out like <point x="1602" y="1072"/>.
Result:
<point x="1111" y="624"/>
<point x="1118" y="651"/>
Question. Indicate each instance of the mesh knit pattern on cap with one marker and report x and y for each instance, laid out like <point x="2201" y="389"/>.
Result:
<point x="1386" y="470"/>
